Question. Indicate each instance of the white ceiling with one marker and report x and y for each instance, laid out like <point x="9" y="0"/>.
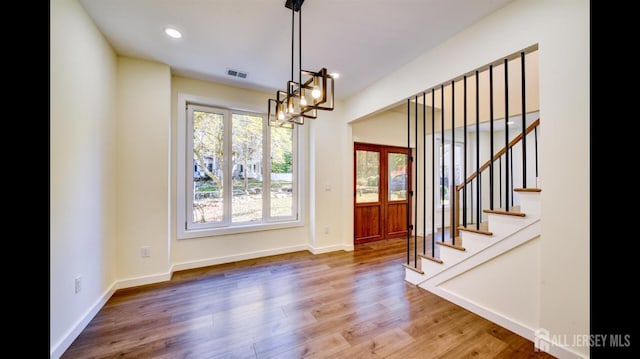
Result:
<point x="363" y="40"/>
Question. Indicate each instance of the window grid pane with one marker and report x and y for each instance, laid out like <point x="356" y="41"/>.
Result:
<point x="208" y="156"/>
<point x="281" y="175"/>
<point x="246" y="175"/>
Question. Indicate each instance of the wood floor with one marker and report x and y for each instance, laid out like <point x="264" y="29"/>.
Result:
<point x="334" y="305"/>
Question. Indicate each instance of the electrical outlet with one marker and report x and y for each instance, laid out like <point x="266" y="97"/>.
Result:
<point x="145" y="251"/>
<point x="326" y="229"/>
<point x="78" y="284"/>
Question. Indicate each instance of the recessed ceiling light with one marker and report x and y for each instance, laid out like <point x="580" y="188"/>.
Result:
<point x="335" y="75"/>
<point x="172" y="32"/>
<point x="510" y="122"/>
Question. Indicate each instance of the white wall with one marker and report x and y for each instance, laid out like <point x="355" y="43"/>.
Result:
<point x="385" y="128"/>
<point x="194" y="252"/>
<point x="82" y="181"/>
<point x="561" y="29"/>
<point x="505" y="292"/>
<point x="143" y="112"/>
<point x="328" y="150"/>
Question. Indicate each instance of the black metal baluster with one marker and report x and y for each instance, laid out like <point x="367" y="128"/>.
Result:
<point x="491" y="137"/>
<point x="464" y="163"/>
<point x="500" y="180"/>
<point x="433" y="172"/>
<point x="414" y="192"/>
<point x="408" y="201"/>
<point x="452" y="185"/>
<point x="506" y="135"/>
<point x="442" y="158"/>
<point x="524" y="127"/>
<point x="511" y="172"/>
<point x="535" y="135"/>
<point x="478" y="174"/>
<point x="424" y="173"/>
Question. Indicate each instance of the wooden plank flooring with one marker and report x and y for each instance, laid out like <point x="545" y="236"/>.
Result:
<point x="338" y="305"/>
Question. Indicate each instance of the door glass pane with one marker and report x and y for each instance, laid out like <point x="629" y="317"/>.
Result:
<point x="367" y="176"/>
<point x="398" y="180"/>
<point x="207" y="167"/>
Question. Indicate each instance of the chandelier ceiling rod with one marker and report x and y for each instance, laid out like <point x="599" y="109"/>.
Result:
<point x="293" y="36"/>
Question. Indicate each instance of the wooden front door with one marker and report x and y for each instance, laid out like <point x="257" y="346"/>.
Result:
<point x="382" y="183"/>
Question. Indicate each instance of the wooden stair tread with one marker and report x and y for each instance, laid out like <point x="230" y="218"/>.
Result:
<point x="479" y="231"/>
<point x="412" y="268"/>
<point x="499" y="211"/>
<point x="433" y="259"/>
<point x="529" y="189"/>
<point x="460" y="248"/>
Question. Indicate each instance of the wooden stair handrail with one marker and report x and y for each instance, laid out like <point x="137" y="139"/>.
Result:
<point x="455" y="232"/>
<point x="512" y="143"/>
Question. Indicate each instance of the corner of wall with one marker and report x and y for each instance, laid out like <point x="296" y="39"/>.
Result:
<point x="143" y="167"/>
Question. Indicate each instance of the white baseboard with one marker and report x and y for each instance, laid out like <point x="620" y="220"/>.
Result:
<point x="506" y="322"/>
<point x="147" y="279"/>
<point x="63" y="344"/>
<point x="236" y="257"/>
<point x="564" y="352"/>
<point x="334" y="248"/>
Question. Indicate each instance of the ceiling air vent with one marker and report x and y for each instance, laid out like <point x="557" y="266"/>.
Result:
<point x="236" y="73"/>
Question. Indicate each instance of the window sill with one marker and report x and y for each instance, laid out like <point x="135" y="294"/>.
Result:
<point x="236" y="229"/>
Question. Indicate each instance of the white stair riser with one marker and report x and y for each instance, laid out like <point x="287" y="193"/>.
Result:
<point x="450" y="255"/>
<point x="413" y="277"/>
<point x="475" y="245"/>
<point x="530" y="203"/>
<point x="502" y="225"/>
<point x="430" y="267"/>
<point x="474" y="242"/>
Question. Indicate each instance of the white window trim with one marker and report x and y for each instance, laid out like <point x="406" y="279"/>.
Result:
<point x="182" y="183"/>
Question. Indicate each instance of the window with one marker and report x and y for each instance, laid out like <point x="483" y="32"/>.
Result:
<point x="244" y="172"/>
<point x="444" y="178"/>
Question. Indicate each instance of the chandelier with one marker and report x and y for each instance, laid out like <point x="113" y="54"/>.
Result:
<point x="312" y="91"/>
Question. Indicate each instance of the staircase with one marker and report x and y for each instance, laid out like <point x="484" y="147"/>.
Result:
<point x="484" y="260"/>
<point x="502" y="232"/>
